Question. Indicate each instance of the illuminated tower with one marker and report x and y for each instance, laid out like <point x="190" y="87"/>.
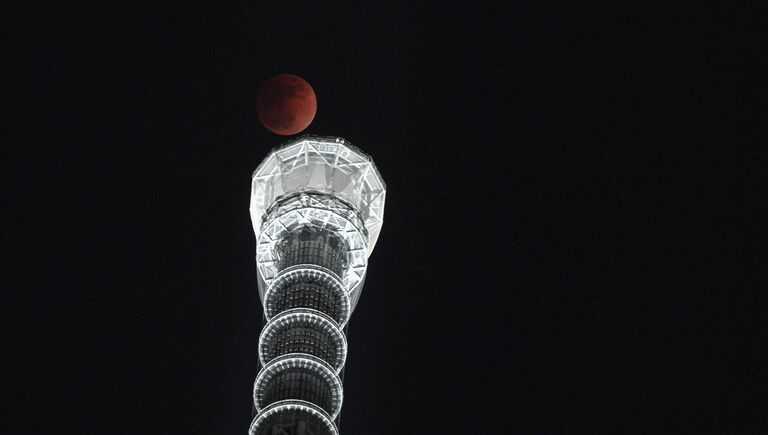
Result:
<point x="317" y="205"/>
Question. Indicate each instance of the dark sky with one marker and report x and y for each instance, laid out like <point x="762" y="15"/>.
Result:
<point x="568" y="193"/>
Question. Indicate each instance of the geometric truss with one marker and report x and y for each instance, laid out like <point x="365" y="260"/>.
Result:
<point x="328" y="165"/>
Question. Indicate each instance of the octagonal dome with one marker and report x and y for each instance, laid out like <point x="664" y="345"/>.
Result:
<point x="328" y="165"/>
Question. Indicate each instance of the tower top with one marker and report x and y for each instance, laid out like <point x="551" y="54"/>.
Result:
<point x="320" y="164"/>
<point x="317" y="205"/>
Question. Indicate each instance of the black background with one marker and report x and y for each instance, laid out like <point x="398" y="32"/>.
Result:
<point x="568" y="193"/>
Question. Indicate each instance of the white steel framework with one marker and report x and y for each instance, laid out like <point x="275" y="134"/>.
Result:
<point x="317" y="206"/>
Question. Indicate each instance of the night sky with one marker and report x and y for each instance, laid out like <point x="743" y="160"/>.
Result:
<point x="568" y="193"/>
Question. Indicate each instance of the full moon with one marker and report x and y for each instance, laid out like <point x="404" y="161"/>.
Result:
<point x="286" y="104"/>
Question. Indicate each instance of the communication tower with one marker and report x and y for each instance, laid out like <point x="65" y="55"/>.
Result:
<point x="317" y="205"/>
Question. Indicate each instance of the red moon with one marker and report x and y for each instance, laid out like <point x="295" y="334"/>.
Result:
<point x="286" y="104"/>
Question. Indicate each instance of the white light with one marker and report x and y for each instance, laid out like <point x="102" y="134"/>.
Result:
<point x="287" y="406"/>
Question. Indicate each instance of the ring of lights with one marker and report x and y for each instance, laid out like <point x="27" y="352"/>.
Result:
<point x="297" y="361"/>
<point x="308" y="273"/>
<point x="296" y="320"/>
<point x="295" y="407"/>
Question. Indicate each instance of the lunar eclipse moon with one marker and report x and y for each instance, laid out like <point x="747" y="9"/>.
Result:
<point x="286" y="104"/>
